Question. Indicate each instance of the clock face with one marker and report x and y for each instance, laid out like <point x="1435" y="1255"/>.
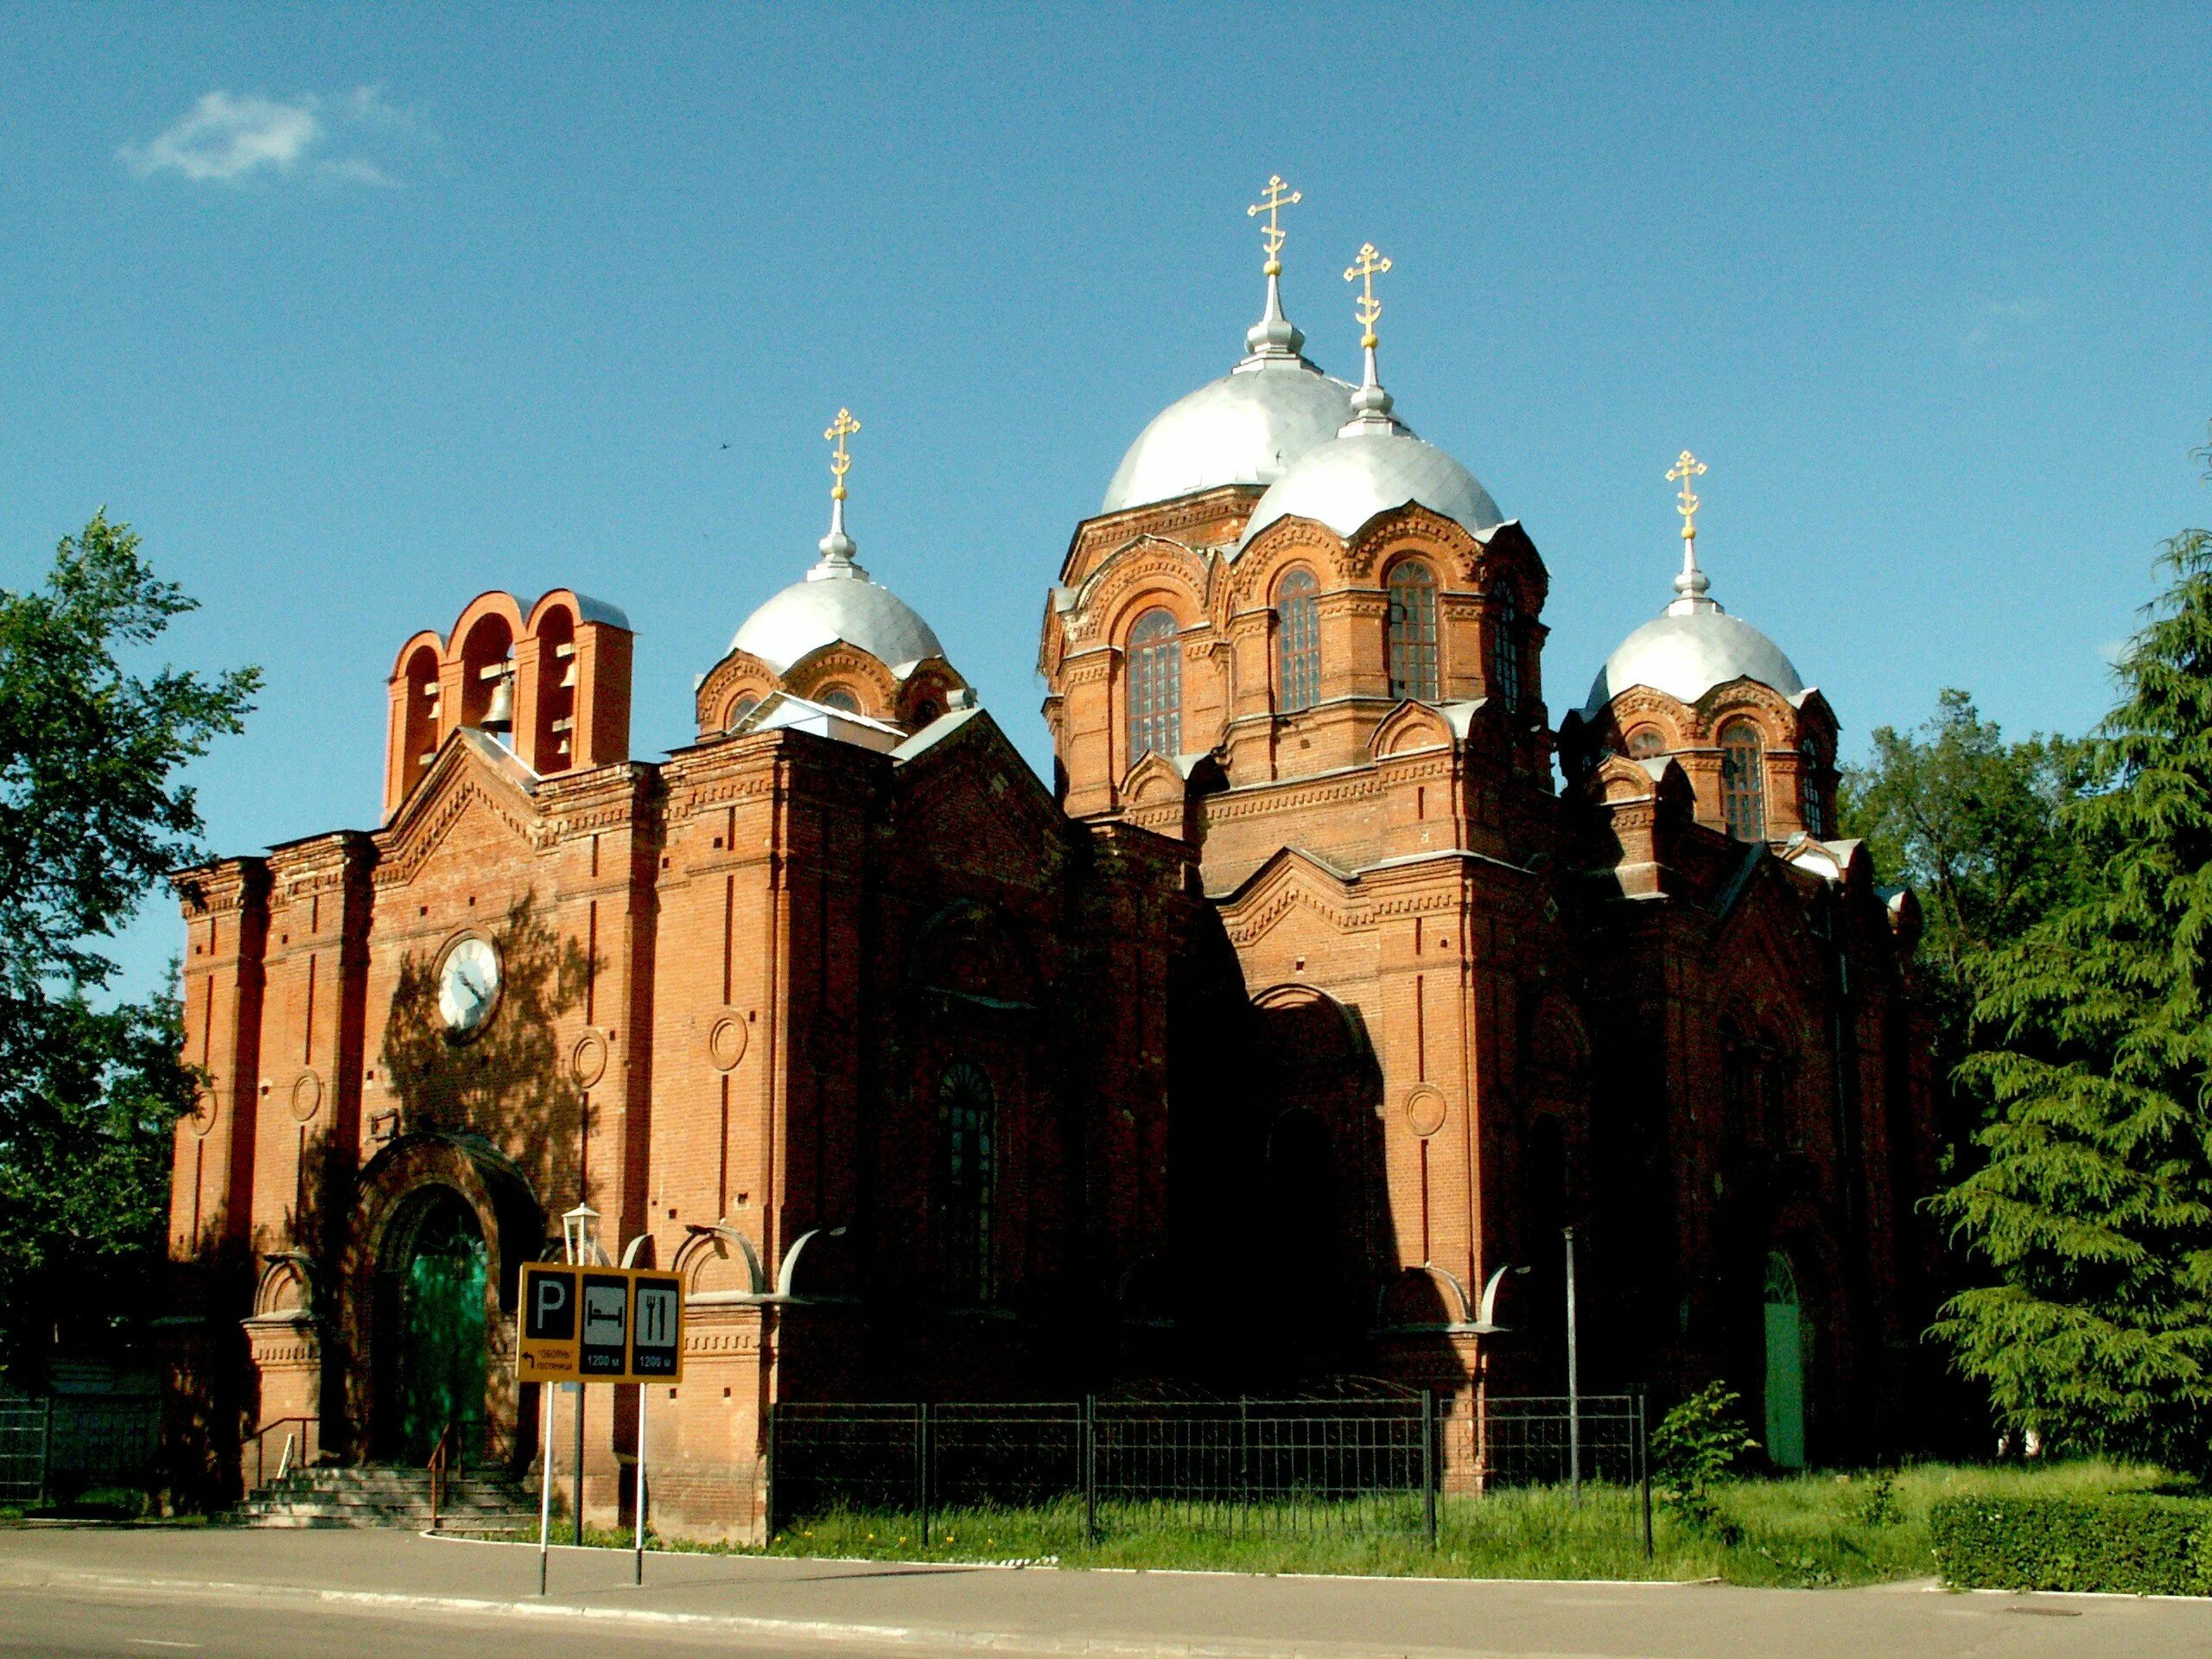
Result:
<point x="468" y="987"/>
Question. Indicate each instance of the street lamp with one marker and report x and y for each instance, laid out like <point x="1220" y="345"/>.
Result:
<point x="580" y="1235"/>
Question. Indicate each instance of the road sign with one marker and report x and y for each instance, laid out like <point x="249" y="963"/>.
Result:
<point x="600" y="1324"/>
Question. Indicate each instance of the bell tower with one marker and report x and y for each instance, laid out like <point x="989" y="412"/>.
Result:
<point x="552" y="684"/>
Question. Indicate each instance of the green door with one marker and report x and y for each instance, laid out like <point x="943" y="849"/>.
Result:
<point x="441" y="1335"/>
<point x="1785" y="1367"/>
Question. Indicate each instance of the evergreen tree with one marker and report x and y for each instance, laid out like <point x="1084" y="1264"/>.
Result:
<point x="2094" y="1211"/>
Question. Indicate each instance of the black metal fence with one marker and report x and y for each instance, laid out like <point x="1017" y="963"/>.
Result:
<point x="1355" y="1467"/>
<point x="54" y="1447"/>
<point x="1555" y="1440"/>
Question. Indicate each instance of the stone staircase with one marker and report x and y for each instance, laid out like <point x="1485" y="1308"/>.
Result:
<point x="373" y="1495"/>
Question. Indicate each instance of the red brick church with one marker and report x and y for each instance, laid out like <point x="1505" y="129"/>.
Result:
<point x="1305" y="1004"/>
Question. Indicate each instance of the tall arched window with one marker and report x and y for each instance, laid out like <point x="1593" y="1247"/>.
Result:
<point x="1809" y="805"/>
<point x="1297" y="642"/>
<point x="1505" y="648"/>
<point x="1743" y="784"/>
<point x="1155" y="668"/>
<point x="967" y="1176"/>
<point x="1413" y="632"/>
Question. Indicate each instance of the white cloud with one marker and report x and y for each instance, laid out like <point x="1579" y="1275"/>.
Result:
<point x="227" y="138"/>
<point x="2000" y="330"/>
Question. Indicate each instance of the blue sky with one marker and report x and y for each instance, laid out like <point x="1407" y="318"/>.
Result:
<point x="356" y="312"/>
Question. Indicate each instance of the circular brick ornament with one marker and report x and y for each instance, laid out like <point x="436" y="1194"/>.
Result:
<point x="587" y="1059"/>
<point x="1425" y="1111"/>
<point x="726" y="1043"/>
<point x="203" y="1107"/>
<point x="306" y="1097"/>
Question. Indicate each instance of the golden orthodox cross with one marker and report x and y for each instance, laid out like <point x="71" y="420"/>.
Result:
<point x="1273" y="200"/>
<point x="1685" y="469"/>
<point x="1364" y="270"/>
<point x="841" y="463"/>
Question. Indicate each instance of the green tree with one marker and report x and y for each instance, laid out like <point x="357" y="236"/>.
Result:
<point x="91" y="815"/>
<point x="1970" y="823"/>
<point x="2093" y="1207"/>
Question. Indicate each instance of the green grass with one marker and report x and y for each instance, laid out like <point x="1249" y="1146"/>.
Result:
<point x="1807" y="1531"/>
<point x="120" y="1504"/>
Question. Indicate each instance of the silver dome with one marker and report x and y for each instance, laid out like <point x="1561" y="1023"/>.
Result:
<point x="1373" y="465"/>
<point x="1242" y="428"/>
<point x="1686" y="653"/>
<point x="836" y="601"/>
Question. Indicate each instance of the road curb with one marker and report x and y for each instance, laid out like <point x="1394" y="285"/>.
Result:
<point x="916" y="1637"/>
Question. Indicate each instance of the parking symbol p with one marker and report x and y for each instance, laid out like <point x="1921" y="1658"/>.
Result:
<point x="552" y="1310"/>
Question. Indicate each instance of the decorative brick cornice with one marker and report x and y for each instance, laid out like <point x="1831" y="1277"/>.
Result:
<point x="1148" y="563"/>
<point x="1293" y="881"/>
<point x="1255" y="799"/>
<point x="221" y="888"/>
<point x="736" y="672"/>
<point x="407" y="848"/>
<point x="1285" y="542"/>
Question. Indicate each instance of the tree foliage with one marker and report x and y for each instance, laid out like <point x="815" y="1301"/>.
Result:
<point x="2093" y="1207"/>
<point x="92" y="814"/>
<point x="1970" y="822"/>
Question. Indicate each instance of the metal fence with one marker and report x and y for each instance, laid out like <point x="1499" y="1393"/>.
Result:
<point x="1555" y="1440"/>
<point x="1355" y="1466"/>
<point x="56" y="1446"/>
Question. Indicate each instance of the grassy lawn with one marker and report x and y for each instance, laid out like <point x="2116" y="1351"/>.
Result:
<point x="1807" y="1531"/>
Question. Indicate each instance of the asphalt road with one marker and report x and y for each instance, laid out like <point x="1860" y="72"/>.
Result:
<point x="246" y="1595"/>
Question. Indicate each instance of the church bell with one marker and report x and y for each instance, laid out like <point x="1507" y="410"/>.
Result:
<point x="500" y="715"/>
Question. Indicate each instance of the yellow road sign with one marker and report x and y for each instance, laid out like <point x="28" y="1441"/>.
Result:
<point x="600" y="1324"/>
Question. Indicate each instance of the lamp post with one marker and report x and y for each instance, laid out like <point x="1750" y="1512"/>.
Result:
<point x="580" y="1237"/>
<point x="1573" y="1382"/>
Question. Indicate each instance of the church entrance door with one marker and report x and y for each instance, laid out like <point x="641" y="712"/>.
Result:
<point x="1785" y="1366"/>
<point x="441" y="1332"/>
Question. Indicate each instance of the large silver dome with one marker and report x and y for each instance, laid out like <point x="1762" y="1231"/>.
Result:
<point x="1686" y="654"/>
<point x="1242" y="428"/>
<point x="1371" y="468"/>
<point x="836" y="601"/>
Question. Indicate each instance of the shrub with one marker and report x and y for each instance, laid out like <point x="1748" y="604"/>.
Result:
<point x="1880" y="1508"/>
<point x="2131" y="1543"/>
<point x="1695" y="1446"/>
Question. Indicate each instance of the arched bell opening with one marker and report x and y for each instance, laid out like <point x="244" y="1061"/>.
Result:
<point x="487" y="690"/>
<point x="554" y="743"/>
<point x="431" y="1314"/>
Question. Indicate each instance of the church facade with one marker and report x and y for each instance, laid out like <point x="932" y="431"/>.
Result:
<point x="1281" y="1037"/>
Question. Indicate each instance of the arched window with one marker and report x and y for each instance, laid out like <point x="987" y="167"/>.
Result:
<point x="1297" y="642"/>
<point x="738" y="710"/>
<point x="1413" y="632"/>
<point x="1809" y="802"/>
<point x="1155" y="671"/>
<point x="1505" y="649"/>
<point x="839" y="698"/>
<point x="1645" y="741"/>
<point x="1743" y="785"/>
<point x="967" y="1175"/>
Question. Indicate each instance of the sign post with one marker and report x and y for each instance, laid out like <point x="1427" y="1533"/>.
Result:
<point x="598" y="1325"/>
<point x="545" y="1398"/>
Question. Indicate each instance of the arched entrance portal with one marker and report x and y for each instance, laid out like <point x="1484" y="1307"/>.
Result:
<point x="1785" y="1366"/>
<point x="1316" y="1091"/>
<point x="430" y="1286"/>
